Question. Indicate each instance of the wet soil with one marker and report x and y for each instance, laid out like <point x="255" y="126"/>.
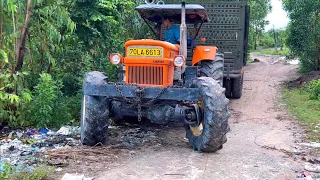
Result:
<point x="304" y="78"/>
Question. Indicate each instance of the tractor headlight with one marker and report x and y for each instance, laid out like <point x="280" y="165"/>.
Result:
<point x="179" y="61"/>
<point x="115" y="59"/>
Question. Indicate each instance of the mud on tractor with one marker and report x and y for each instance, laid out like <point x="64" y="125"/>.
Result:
<point x="162" y="83"/>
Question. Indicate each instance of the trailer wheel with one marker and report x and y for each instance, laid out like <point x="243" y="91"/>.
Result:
<point x="94" y="113"/>
<point x="237" y="85"/>
<point x="210" y="134"/>
<point x="213" y="68"/>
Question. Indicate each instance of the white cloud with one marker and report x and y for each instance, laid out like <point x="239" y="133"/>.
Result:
<point x="278" y="16"/>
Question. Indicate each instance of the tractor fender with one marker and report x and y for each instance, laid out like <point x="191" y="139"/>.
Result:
<point x="204" y="53"/>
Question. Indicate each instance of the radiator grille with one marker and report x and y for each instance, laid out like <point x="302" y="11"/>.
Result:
<point x="145" y="75"/>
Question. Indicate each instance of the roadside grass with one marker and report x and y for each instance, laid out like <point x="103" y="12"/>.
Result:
<point x="283" y="52"/>
<point x="39" y="173"/>
<point x="272" y="51"/>
<point x="250" y="59"/>
<point x="307" y="111"/>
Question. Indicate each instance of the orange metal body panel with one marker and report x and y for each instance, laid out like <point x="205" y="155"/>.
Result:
<point x="150" y="71"/>
<point x="204" y="53"/>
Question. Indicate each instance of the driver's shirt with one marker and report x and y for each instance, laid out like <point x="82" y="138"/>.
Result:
<point x="172" y="34"/>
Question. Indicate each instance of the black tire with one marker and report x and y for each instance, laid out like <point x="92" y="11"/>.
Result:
<point x="213" y="68"/>
<point x="94" y="113"/>
<point x="227" y="85"/>
<point x="237" y="86"/>
<point x="215" y="117"/>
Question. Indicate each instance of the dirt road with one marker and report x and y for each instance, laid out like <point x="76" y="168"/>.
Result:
<point x="260" y="144"/>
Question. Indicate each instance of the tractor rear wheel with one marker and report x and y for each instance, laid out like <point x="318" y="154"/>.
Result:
<point x="94" y="113"/>
<point x="210" y="134"/>
<point x="213" y="68"/>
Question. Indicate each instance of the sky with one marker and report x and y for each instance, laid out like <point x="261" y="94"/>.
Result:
<point x="278" y="16"/>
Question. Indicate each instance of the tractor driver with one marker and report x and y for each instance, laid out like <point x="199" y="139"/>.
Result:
<point x="172" y="34"/>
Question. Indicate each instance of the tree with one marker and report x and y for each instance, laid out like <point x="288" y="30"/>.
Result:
<point x="63" y="40"/>
<point x="259" y="10"/>
<point x="304" y="31"/>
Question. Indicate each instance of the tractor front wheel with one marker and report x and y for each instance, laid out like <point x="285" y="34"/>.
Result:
<point x="210" y="134"/>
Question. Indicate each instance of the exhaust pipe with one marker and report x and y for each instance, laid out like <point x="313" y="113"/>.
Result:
<point x="183" y="34"/>
<point x="178" y="71"/>
<point x="183" y="31"/>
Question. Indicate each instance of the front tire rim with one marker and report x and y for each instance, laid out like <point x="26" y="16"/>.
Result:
<point x="197" y="130"/>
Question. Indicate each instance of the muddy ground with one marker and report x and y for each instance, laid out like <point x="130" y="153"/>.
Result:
<point x="261" y="143"/>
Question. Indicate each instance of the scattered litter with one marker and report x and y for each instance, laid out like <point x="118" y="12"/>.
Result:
<point x="43" y="130"/>
<point x="32" y="132"/>
<point x="23" y="149"/>
<point x="312" y="167"/>
<point x="275" y="62"/>
<point x="63" y="131"/>
<point x="294" y="62"/>
<point x="25" y="153"/>
<point x="307" y="176"/>
<point x="59" y="169"/>
<point x="68" y="130"/>
<point x="1" y="167"/>
<point x="312" y="145"/>
<point x="311" y="159"/>
<point x="68" y="176"/>
<point x="112" y="127"/>
<point x="19" y="134"/>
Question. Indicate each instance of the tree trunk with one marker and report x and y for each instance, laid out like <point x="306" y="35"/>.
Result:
<point x="316" y="38"/>
<point x="22" y="42"/>
<point x="255" y="38"/>
<point x="1" y="23"/>
<point x="275" y="39"/>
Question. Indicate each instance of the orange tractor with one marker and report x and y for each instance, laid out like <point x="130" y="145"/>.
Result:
<point x="163" y="82"/>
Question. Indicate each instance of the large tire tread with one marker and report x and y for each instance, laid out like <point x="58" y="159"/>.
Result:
<point x="237" y="86"/>
<point x="94" y="113"/>
<point x="216" y="115"/>
<point x="213" y="68"/>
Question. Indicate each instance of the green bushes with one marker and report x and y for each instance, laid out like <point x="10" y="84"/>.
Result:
<point x="314" y="89"/>
<point x="44" y="106"/>
<point x="50" y="107"/>
<point x="12" y="96"/>
<point x="46" y="101"/>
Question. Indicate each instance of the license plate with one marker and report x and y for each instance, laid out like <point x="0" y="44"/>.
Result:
<point x="146" y="52"/>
